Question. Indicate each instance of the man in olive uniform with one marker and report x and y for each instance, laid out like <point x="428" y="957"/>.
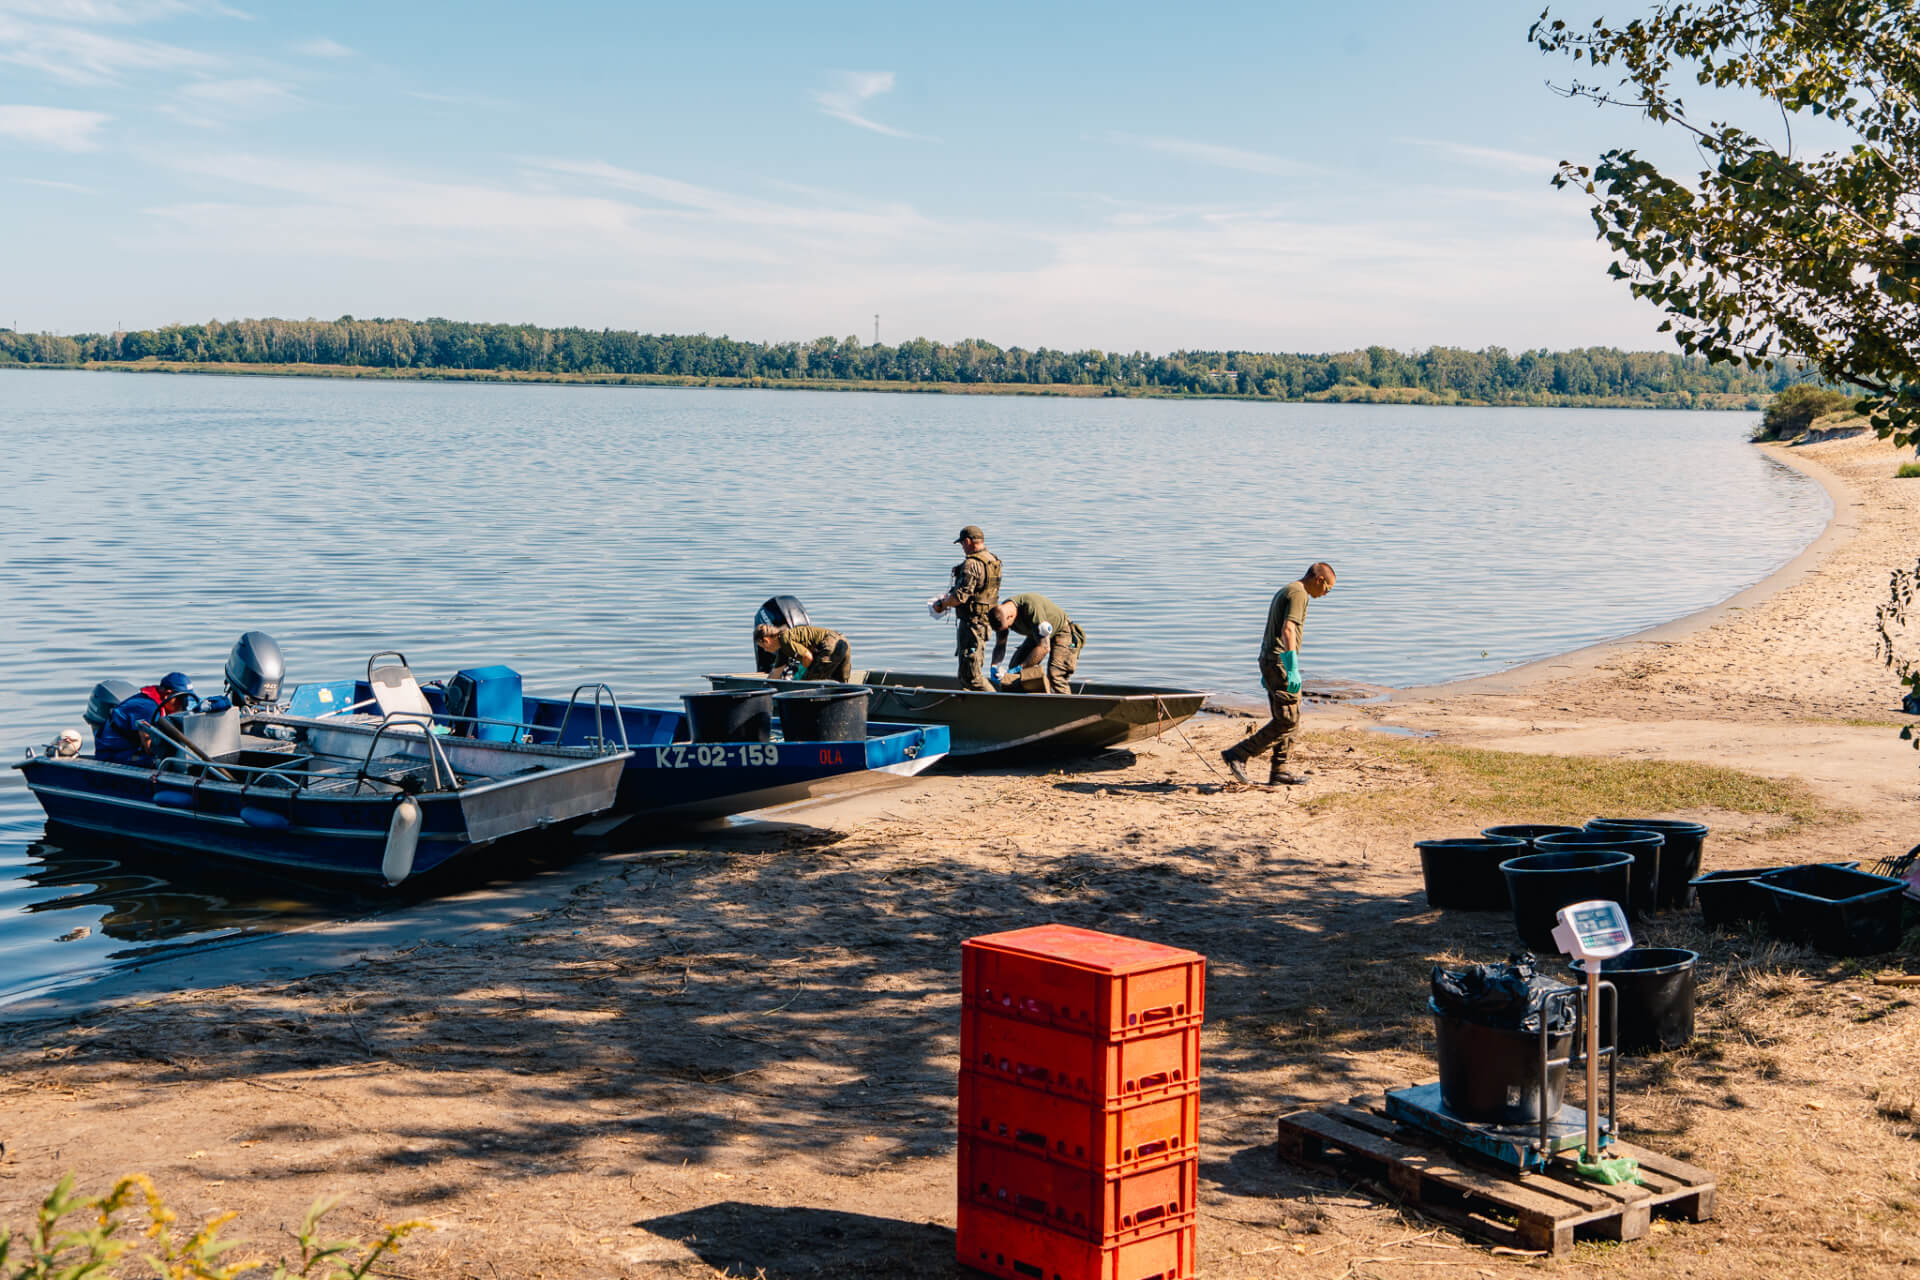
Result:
<point x="809" y="653"/>
<point x="1052" y="642"/>
<point x="975" y="590"/>
<point x="1280" y="673"/>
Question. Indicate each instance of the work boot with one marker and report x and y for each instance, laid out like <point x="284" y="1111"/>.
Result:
<point x="1278" y="776"/>
<point x="1236" y="766"/>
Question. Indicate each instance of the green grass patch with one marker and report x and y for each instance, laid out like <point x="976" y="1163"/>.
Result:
<point x="1473" y="785"/>
<point x="1907" y="471"/>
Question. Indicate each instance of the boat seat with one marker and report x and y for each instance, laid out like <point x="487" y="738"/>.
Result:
<point x="396" y="692"/>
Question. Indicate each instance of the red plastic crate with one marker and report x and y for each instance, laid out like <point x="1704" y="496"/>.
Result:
<point x="1097" y="983"/>
<point x="1078" y="1066"/>
<point x="1108" y="1138"/>
<point x="1003" y="1245"/>
<point x="1079" y="1202"/>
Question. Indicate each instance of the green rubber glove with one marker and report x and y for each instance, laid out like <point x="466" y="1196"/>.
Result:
<point x="1290" y="663"/>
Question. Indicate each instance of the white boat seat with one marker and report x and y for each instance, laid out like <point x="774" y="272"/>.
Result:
<point x="396" y="691"/>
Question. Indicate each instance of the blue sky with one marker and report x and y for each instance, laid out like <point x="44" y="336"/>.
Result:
<point x="1123" y="176"/>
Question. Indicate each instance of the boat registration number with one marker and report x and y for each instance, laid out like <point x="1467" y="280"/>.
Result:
<point x="715" y="755"/>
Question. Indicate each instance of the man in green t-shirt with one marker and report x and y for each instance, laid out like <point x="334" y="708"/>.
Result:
<point x="806" y="652"/>
<point x="1280" y="673"/>
<point x="1051" y="640"/>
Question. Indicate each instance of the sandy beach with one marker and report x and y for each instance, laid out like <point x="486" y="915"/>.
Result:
<point x="735" y="1054"/>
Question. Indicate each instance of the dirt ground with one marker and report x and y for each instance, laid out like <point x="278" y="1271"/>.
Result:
<point x="736" y="1054"/>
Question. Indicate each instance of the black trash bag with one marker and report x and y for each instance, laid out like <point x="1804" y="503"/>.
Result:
<point x="1511" y="995"/>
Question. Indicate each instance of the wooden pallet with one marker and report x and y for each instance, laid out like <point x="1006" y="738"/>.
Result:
<point x="1542" y="1212"/>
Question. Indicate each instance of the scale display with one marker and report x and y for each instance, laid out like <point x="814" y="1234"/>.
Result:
<point x="1592" y="930"/>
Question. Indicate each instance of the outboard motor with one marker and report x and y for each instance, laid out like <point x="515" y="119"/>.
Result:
<point x="781" y="611"/>
<point x="107" y="695"/>
<point x="255" y="670"/>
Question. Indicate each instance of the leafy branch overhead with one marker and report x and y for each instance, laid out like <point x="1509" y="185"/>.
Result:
<point x="1770" y="250"/>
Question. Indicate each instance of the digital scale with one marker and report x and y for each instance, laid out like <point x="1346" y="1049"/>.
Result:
<point x="1589" y="932"/>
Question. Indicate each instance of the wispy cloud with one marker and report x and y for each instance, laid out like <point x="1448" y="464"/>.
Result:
<point x="848" y="98"/>
<point x="56" y="185"/>
<point x="1219" y="156"/>
<point x="1488" y="157"/>
<point x="252" y="92"/>
<point x="322" y="47"/>
<point x="115" y="12"/>
<point x="56" y="127"/>
<point x="75" y="55"/>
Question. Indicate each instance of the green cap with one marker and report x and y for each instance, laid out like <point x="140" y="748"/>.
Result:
<point x="971" y="531"/>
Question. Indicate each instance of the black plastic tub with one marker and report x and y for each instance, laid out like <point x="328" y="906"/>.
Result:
<point x="831" y="713"/>
<point x="1464" y="874"/>
<point x="1643" y="845"/>
<point x="1539" y="884"/>
<point x="1492" y="1074"/>
<point x="1679" y="856"/>
<point x="730" y="715"/>
<point x="1731" y="899"/>
<point x="1655" y="986"/>
<point x="1838" y="910"/>
<point x="1528" y="831"/>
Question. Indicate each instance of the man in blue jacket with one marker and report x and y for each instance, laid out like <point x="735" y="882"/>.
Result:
<point x="124" y="739"/>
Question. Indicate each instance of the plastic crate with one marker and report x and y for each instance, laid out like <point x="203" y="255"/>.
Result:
<point x="1079" y="1202"/>
<point x="1074" y="1065"/>
<point x="1097" y="983"/>
<point x="1107" y="1138"/>
<point x="1004" y="1245"/>
<point x="1840" y="912"/>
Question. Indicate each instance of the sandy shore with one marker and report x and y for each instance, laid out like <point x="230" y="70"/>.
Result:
<point x="736" y="1055"/>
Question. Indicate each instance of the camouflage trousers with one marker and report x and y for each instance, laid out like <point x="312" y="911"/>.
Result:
<point x="970" y="646"/>
<point x="1276" y="733"/>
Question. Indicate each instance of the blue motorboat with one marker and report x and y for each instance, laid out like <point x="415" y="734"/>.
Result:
<point x="667" y="773"/>
<point x="378" y="797"/>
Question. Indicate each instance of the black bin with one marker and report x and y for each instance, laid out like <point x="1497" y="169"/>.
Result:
<point x="1655" y="988"/>
<point x="1464" y="874"/>
<point x="1539" y="884"/>
<point x="1528" y="831"/>
<point x="1839" y="911"/>
<point x="1492" y="1074"/>
<point x="730" y="715"/>
<point x="1643" y="845"/>
<point x="831" y="713"/>
<point x="1732" y="898"/>
<point x="1679" y="855"/>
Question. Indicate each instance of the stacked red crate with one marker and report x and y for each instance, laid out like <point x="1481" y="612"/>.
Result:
<point x="1079" y="1105"/>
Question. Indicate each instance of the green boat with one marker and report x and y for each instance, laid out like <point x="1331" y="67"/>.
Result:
<point x="1006" y="726"/>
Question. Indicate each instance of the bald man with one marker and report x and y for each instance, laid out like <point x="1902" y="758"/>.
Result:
<point x="1280" y="673"/>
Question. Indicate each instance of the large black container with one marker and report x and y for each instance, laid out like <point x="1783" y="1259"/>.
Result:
<point x="1679" y="856"/>
<point x="1539" y="884"/>
<point x="1464" y="874"/>
<point x="1492" y="1074"/>
<point x="1732" y="898"/>
<point x="730" y="715"/>
<point x="1840" y="911"/>
<point x="1655" y="988"/>
<point x="1643" y="845"/>
<point x="831" y="713"/>
<point x="1528" y="831"/>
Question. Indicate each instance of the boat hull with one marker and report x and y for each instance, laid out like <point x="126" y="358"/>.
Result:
<point x="1013" y="726"/>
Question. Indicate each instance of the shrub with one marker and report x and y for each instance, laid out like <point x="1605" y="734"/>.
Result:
<point x="1907" y="471"/>
<point x="74" y="1235"/>
<point x="1794" y="409"/>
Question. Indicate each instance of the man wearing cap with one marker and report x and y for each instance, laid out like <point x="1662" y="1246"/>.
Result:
<point x="1049" y="638"/>
<point x="1280" y="673"/>
<point x="975" y="591"/>
<point x="125" y="738"/>
<point x="805" y="652"/>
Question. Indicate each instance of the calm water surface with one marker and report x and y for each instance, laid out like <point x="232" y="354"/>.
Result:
<point x="627" y="535"/>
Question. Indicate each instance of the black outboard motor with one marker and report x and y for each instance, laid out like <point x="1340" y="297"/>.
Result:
<point x="107" y="695"/>
<point x="781" y="611"/>
<point x="255" y="670"/>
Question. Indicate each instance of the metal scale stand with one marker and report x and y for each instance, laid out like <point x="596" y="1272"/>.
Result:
<point x="1589" y="932"/>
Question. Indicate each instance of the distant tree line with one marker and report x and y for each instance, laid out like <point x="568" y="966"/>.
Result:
<point x="1493" y="375"/>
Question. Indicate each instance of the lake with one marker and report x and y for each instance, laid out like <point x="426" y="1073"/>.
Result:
<point x="627" y="535"/>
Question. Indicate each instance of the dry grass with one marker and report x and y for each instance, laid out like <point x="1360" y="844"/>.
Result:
<point x="1442" y="784"/>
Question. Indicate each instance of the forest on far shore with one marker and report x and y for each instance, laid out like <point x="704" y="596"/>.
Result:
<point x="1445" y="374"/>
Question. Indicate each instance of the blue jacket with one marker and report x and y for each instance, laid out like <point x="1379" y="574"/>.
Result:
<point x="119" y="741"/>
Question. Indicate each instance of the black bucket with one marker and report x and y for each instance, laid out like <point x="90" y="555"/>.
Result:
<point x="1464" y="874"/>
<point x="1655" y="988"/>
<point x="1528" y="831"/>
<point x="1839" y="911"/>
<point x="1539" y="884"/>
<point x="831" y="713"/>
<point x="1492" y="1074"/>
<point x="1679" y="856"/>
<point x="1732" y="899"/>
<point x="730" y="715"/>
<point x="1643" y="845"/>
